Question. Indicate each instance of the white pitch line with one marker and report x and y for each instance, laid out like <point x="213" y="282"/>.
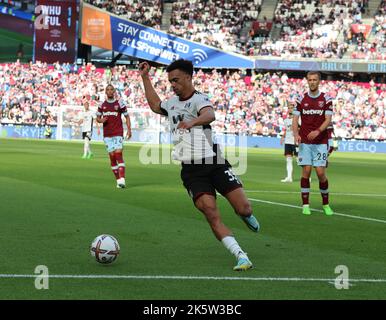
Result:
<point x="333" y="193"/>
<point x="318" y="210"/>
<point x="166" y="277"/>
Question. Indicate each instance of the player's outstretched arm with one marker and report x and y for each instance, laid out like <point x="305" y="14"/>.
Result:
<point x="152" y="97"/>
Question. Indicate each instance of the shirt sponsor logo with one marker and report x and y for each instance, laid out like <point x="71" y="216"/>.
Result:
<point x="313" y="111"/>
<point x="110" y="113"/>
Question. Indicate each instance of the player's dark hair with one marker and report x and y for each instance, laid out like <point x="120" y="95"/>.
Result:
<point x="110" y="85"/>
<point x="181" y="64"/>
<point x="310" y="73"/>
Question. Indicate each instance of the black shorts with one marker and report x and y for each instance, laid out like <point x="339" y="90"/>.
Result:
<point x="290" y="150"/>
<point x="200" y="179"/>
<point x="87" y="134"/>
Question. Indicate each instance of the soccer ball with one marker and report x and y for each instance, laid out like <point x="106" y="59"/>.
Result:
<point x="105" y="249"/>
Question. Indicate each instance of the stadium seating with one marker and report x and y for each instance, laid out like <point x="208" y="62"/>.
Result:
<point x="147" y="12"/>
<point x="312" y="29"/>
<point x="214" y="22"/>
<point x="253" y="105"/>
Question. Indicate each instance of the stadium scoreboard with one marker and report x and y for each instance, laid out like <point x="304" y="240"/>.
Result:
<point x="56" y="31"/>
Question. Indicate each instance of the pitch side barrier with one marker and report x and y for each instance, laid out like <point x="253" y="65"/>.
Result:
<point x="155" y="137"/>
<point x="322" y="65"/>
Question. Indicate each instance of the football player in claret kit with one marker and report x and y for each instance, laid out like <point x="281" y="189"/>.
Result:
<point x="290" y="148"/>
<point x="204" y="170"/>
<point x="315" y="111"/>
<point x="110" y="114"/>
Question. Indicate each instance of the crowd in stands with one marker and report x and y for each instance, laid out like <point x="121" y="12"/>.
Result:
<point x="214" y="22"/>
<point x="311" y="28"/>
<point x="253" y="105"/>
<point x="147" y="12"/>
<point x="374" y="49"/>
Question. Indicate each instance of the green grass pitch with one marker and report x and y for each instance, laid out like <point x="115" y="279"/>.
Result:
<point x="53" y="204"/>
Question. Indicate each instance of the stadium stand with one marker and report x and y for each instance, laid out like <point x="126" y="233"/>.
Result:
<point x="214" y="22"/>
<point x="312" y="28"/>
<point x="253" y="105"/>
<point x="147" y="12"/>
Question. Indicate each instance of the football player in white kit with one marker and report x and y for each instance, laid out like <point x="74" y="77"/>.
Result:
<point x="290" y="148"/>
<point x="204" y="171"/>
<point x="87" y="121"/>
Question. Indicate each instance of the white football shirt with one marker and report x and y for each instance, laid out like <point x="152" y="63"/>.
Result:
<point x="87" y="117"/>
<point x="289" y="134"/>
<point x="193" y="144"/>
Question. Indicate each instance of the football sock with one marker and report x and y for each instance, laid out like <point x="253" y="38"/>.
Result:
<point x="86" y="148"/>
<point x="323" y="187"/>
<point x="305" y="190"/>
<point x="121" y="164"/>
<point x="231" y="244"/>
<point x="114" y="166"/>
<point x="289" y="167"/>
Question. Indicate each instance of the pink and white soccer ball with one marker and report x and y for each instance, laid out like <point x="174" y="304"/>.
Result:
<point x="105" y="249"/>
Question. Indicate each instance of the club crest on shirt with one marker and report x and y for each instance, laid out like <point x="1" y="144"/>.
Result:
<point x="116" y="107"/>
<point x="321" y="104"/>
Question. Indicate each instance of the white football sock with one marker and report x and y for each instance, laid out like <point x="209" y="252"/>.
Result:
<point x="231" y="244"/>
<point x="289" y="167"/>
<point x="86" y="148"/>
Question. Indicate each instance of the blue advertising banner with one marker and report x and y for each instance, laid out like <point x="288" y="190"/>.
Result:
<point x="155" y="137"/>
<point x="111" y="32"/>
<point x="25" y="131"/>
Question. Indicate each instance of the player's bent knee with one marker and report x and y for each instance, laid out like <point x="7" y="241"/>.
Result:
<point x="205" y="206"/>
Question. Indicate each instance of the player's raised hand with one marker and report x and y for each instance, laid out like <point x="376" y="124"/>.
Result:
<point x="144" y="68"/>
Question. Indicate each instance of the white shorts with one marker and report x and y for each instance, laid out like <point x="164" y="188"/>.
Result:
<point x="113" y="143"/>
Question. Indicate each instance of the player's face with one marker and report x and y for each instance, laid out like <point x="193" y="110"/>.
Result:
<point x="86" y="106"/>
<point x="110" y="92"/>
<point x="180" y="82"/>
<point x="313" y="82"/>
